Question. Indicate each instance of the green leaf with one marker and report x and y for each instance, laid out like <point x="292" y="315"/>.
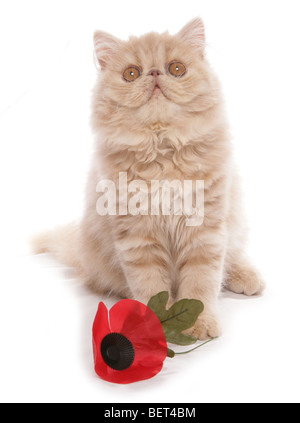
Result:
<point x="175" y="337"/>
<point x="158" y="304"/>
<point x="181" y="316"/>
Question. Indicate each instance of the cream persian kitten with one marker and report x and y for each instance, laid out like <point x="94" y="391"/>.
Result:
<point x="158" y="115"/>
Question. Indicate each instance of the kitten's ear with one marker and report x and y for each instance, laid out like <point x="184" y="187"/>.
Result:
<point x="105" y="46"/>
<point x="194" y="34"/>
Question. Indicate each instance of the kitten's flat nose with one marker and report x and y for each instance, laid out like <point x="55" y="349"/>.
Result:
<point x="154" y="72"/>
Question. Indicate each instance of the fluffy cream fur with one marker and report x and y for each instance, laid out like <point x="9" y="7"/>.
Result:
<point x="176" y="133"/>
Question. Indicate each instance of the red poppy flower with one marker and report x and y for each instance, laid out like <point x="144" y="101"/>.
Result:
<point x="129" y="342"/>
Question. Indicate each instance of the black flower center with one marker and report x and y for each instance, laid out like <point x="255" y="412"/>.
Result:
<point x="117" y="351"/>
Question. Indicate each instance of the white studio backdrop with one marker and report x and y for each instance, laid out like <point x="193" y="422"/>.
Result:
<point x="46" y="77"/>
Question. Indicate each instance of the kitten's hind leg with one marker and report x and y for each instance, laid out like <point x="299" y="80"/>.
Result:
<point x="242" y="278"/>
<point x="99" y="268"/>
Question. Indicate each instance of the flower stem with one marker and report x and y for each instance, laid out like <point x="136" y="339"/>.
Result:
<point x="204" y="343"/>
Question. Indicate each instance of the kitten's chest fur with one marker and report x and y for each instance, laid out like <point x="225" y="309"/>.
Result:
<point x="163" y="158"/>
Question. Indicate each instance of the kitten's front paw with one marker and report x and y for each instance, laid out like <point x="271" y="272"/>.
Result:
<point x="244" y="279"/>
<point x="207" y="326"/>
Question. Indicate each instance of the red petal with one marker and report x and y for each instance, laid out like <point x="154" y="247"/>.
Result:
<point x="100" y="330"/>
<point x="142" y="327"/>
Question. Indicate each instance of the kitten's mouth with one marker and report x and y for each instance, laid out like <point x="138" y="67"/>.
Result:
<point x="157" y="90"/>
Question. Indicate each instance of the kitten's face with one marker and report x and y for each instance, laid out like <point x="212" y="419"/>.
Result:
<point x="157" y="77"/>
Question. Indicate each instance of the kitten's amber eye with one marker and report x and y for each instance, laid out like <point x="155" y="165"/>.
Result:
<point x="177" y="69"/>
<point x="131" y="74"/>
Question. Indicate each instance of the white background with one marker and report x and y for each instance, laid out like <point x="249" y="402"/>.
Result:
<point x="46" y="77"/>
